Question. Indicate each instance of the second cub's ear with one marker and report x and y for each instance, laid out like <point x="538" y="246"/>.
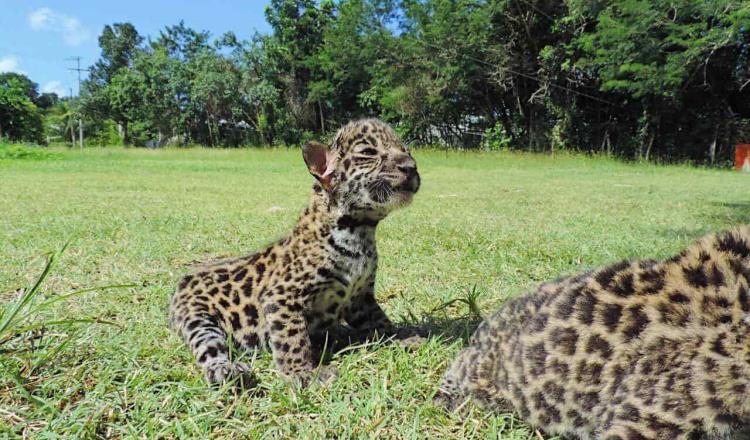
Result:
<point x="319" y="160"/>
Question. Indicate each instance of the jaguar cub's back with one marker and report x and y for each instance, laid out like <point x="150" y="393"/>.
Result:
<point x="635" y="350"/>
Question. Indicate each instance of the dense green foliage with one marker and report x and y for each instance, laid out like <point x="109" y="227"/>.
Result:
<point x="23" y="151"/>
<point x="30" y="116"/>
<point x="637" y="78"/>
<point x="21" y="108"/>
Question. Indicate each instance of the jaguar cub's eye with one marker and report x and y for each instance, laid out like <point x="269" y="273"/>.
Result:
<point x="369" y="152"/>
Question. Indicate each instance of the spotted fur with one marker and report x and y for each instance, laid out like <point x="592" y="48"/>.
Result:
<point x="635" y="350"/>
<point x="320" y="274"/>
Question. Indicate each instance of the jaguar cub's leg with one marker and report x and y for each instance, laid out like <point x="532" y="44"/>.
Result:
<point x="364" y="313"/>
<point x="366" y="316"/>
<point x="207" y="341"/>
<point x="289" y="339"/>
<point x="619" y="430"/>
<point x="472" y="374"/>
<point x="452" y="392"/>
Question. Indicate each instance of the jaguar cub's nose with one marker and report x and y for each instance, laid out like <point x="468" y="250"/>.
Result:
<point x="409" y="170"/>
<point x="412" y="180"/>
<point x="408" y="167"/>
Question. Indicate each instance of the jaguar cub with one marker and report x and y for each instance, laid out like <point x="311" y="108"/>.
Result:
<point x="323" y="272"/>
<point x="635" y="350"/>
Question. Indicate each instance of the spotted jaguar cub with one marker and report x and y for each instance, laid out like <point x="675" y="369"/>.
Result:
<point x="636" y="350"/>
<point x="323" y="272"/>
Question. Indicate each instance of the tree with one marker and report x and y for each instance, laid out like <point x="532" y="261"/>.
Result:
<point x="665" y="55"/>
<point x="61" y="121"/>
<point x="434" y="82"/>
<point x="182" y="42"/>
<point x="20" y="118"/>
<point x="640" y="79"/>
<point x="298" y="28"/>
<point x="120" y="44"/>
<point x="354" y="43"/>
<point x="215" y="82"/>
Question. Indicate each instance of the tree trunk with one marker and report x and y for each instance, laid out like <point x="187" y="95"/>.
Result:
<point x="164" y="136"/>
<point x="644" y="131"/>
<point x="530" y="131"/>
<point x="210" y="131"/>
<point x="322" y="123"/>
<point x="508" y="127"/>
<point x="712" y="147"/>
<point x="125" y="133"/>
<point x="606" y="144"/>
<point x="72" y="135"/>
<point x="650" y="144"/>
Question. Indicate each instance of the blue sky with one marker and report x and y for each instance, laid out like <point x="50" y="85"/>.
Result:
<point x="37" y="36"/>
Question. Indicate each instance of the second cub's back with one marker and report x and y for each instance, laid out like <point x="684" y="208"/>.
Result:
<point x="657" y="349"/>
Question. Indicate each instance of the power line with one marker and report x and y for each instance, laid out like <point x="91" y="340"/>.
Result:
<point x="524" y="75"/>
<point x="575" y="92"/>
<point x="534" y="7"/>
<point x="77" y="69"/>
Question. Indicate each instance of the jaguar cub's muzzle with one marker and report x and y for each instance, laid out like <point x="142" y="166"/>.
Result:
<point x="396" y="184"/>
<point x="408" y="169"/>
<point x="411" y="181"/>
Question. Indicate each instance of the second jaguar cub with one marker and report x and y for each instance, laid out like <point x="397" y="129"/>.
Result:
<point x="637" y="350"/>
<point x="323" y="272"/>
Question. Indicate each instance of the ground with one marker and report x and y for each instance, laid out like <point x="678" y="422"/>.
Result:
<point x="489" y="223"/>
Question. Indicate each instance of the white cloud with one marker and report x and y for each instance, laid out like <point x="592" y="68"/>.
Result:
<point x="72" y="30"/>
<point x="54" y="87"/>
<point x="41" y="18"/>
<point x="9" y="64"/>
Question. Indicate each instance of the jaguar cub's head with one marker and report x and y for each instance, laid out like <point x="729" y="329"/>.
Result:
<point x="366" y="171"/>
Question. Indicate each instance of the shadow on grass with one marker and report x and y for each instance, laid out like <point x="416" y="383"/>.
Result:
<point x="687" y="234"/>
<point x="341" y="339"/>
<point x="732" y="213"/>
<point x="736" y="212"/>
<point x="409" y="334"/>
<point x="726" y="214"/>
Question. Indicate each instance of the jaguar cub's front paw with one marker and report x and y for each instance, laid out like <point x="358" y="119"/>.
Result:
<point x="324" y="375"/>
<point x="447" y="400"/>
<point x="448" y="395"/>
<point x="412" y="342"/>
<point x="222" y="371"/>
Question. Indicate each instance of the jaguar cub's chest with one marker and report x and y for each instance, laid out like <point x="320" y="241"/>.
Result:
<point x="351" y="270"/>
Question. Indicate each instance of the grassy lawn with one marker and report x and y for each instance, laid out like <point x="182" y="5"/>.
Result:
<point x="493" y="223"/>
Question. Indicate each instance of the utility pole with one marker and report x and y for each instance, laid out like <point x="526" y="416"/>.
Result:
<point x="72" y="130"/>
<point x="80" y="119"/>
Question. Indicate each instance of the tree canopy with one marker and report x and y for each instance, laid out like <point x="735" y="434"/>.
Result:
<point x="21" y="108"/>
<point x="651" y="79"/>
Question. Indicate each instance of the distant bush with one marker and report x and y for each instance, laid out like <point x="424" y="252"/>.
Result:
<point x="21" y="151"/>
<point x="495" y="138"/>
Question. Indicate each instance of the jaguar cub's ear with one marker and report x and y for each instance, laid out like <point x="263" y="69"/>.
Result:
<point x="319" y="160"/>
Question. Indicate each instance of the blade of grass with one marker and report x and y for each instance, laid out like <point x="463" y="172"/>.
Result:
<point x="9" y="314"/>
<point x="65" y="296"/>
<point x="51" y="354"/>
<point x="35" y="326"/>
<point x="32" y="398"/>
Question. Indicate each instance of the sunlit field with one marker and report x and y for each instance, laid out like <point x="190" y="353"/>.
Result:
<point x="486" y="224"/>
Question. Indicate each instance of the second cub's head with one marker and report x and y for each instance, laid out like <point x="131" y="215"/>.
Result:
<point x="366" y="170"/>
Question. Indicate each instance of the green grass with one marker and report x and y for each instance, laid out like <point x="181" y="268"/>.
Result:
<point x="486" y="224"/>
